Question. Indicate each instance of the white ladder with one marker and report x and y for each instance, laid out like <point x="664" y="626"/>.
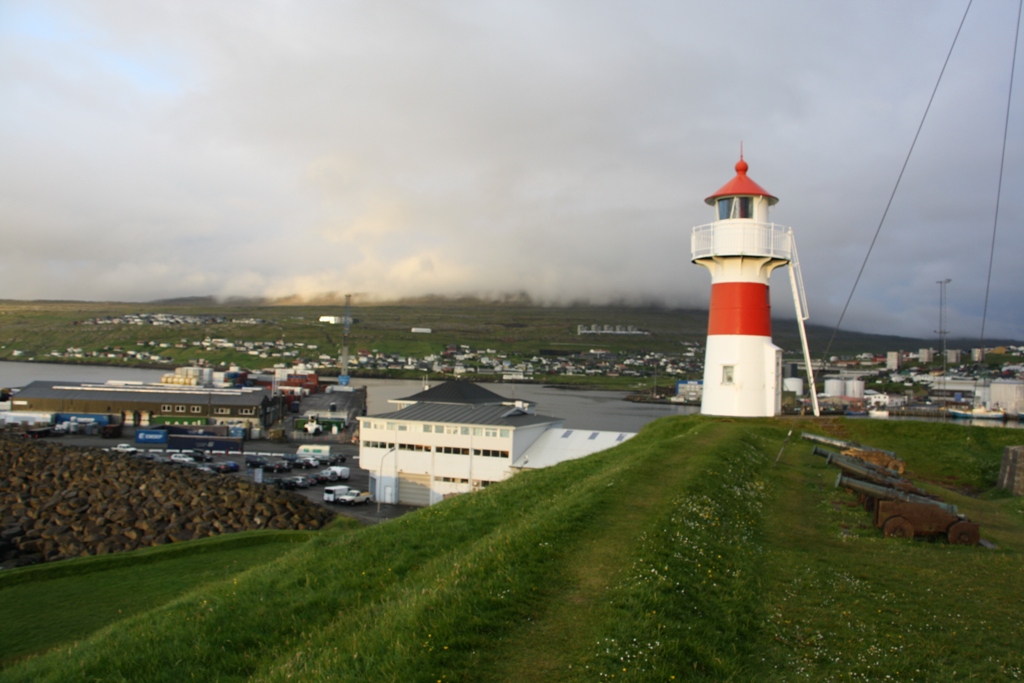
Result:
<point x="796" y="280"/>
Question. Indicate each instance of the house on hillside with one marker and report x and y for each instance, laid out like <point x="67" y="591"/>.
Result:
<point x="459" y="437"/>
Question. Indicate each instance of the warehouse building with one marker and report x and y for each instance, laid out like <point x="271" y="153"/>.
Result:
<point x="135" y="403"/>
<point x="459" y="437"/>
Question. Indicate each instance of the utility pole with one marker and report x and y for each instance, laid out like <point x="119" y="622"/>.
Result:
<point x="345" y="331"/>
<point x="942" y="332"/>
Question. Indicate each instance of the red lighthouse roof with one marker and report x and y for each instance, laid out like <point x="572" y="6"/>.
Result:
<point x="742" y="185"/>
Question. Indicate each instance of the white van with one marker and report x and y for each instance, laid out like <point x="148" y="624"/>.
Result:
<point x="336" y="473"/>
<point x="333" y="493"/>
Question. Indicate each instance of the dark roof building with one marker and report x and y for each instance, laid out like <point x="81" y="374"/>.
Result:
<point x="144" y="404"/>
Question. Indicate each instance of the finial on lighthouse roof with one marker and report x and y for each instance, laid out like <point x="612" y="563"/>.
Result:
<point x="742" y="185"/>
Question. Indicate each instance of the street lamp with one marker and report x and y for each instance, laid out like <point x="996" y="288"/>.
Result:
<point x="380" y="476"/>
<point x="942" y="323"/>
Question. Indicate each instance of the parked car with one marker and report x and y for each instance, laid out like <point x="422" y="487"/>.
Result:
<point x="301" y="481"/>
<point x="225" y="467"/>
<point x="332" y="459"/>
<point x="277" y="466"/>
<point x="353" y="497"/>
<point x="256" y="461"/>
<point x="182" y="458"/>
<point x="307" y="462"/>
<point x="285" y="483"/>
<point x="199" y="456"/>
<point x="125" y="448"/>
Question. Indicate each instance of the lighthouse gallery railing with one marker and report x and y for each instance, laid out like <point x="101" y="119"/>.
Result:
<point x="741" y="238"/>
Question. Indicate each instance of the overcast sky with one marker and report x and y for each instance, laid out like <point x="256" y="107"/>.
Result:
<point x="559" y="148"/>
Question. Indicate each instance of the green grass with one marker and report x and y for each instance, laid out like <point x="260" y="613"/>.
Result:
<point x="47" y="605"/>
<point x="847" y="605"/>
<point x="682" y="553"/>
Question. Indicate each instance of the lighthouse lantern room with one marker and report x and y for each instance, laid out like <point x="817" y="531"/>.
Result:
<point x="741" y="248"/>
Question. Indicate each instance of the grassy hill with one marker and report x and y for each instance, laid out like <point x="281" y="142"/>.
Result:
<point x="683" y="554"/>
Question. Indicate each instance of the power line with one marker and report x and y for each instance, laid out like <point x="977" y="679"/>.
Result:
<point x="888" y="205"/>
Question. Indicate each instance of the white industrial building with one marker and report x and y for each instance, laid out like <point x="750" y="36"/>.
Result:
<point x="459" y="437"/>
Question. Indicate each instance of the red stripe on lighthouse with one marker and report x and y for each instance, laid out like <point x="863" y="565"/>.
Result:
<point x="740" y="308"/>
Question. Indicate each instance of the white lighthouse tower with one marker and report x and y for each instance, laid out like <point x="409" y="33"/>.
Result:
<point x="741" y="248"/>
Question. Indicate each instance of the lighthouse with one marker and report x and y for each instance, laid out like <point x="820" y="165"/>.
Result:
<point x="741" y="248"/>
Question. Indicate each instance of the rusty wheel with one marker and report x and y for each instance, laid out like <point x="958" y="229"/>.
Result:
<point x="963" y="533"/>
<point x="898" y="527"/>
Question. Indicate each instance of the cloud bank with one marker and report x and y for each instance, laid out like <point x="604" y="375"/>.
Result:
<point x="562" y="149"/>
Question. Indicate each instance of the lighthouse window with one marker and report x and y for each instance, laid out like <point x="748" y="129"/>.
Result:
<point x="735" y="207"/>
<point x="723" y="208"/>
<point x="727" y="373"/>
<point x="743" y="206"/>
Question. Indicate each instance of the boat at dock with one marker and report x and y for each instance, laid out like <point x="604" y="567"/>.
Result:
<point x="979" y="413"/>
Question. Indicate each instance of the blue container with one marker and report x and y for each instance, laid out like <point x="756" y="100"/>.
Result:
<point x="151" y="436"/>
<point x="83" y="418"/>
<point x="237" y="432"/>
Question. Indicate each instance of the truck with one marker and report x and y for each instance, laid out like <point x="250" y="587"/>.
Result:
<point x="313" y="449"/>
<point x="332" y="494"/>
<point x="353" y="497"/>
<point x="322" y="452"/>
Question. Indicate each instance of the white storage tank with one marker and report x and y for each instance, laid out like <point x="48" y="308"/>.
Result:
<point x="855" y="388"/>
<point x="834" y="387"/>
<point x="794" y="384"/>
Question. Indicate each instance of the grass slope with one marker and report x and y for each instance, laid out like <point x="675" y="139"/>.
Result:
<point x="681" y="554"/>
<point x="48" y="605"/>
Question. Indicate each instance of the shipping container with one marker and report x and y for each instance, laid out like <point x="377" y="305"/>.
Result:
<point x="84" y="418"/>
<point x="151" y="436"/>
<point x="204" y="443"/>
<point x="200" y="429"/>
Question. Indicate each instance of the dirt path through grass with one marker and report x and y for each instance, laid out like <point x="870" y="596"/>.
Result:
<point x="558" y="646"/>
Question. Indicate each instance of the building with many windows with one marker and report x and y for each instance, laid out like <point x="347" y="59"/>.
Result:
<point x="459" y="437"/>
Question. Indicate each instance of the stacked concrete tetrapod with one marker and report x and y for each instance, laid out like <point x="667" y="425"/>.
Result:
<point x="742" y="367"/>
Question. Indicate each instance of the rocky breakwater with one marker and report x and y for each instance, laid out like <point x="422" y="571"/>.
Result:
<point x="58" y="502"/>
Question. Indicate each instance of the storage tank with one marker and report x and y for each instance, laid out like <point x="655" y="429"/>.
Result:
<point x="855" y="388"/>
<point x="794" y="384"/>
<point x="834" y="387"/>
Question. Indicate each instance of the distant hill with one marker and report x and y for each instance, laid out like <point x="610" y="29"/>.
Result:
<point x="511" y="322"/>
